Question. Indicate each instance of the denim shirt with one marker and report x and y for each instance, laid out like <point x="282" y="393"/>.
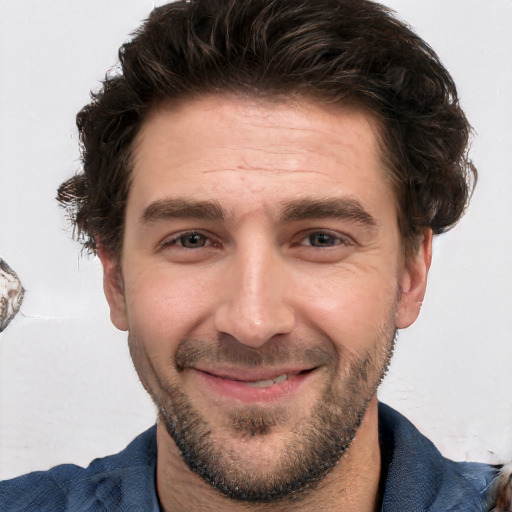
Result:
<point x="415" y="476"/>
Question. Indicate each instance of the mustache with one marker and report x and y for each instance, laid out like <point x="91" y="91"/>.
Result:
<point x="227" y="350"/>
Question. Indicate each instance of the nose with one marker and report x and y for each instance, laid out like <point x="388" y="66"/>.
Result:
<point x="255" y="303"/>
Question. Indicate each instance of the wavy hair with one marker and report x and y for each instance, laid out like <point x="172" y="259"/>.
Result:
<point x="336" y="52"/>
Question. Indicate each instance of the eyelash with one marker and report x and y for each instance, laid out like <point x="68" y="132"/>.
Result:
<point x="177" y="240"/>
<point x="338" y="238"/>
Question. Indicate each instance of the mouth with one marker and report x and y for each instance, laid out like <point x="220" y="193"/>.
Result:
<point x="257" y="381"/>
<point x="251" y="386"/>
<point x="266" y="383"/>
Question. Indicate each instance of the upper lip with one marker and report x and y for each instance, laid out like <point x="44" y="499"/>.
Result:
<point x="251" y="374"/>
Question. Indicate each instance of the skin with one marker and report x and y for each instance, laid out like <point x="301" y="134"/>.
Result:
<point x="210" y="294"/>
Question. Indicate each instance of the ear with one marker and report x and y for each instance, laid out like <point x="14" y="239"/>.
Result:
<point x="413" y="283"/>
<point x="113" y="288"/>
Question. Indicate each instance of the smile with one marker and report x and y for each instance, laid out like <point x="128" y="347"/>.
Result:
<point x="268" y="382"/>
<point x="255" y="387"/>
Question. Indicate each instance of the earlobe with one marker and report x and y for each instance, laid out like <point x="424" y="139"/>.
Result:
<point x="413" y="283"/>
<point x="113" y="288"/>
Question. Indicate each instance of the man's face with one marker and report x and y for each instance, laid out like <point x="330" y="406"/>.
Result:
<point x="261" y="282"/>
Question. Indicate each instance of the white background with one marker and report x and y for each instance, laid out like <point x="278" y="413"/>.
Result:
<point x="68" y="392"/>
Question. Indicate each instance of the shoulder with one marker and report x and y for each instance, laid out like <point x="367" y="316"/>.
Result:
<point x="418" y="477"/>
<point x="501" y="490"/>
<point x="106" y="484"/>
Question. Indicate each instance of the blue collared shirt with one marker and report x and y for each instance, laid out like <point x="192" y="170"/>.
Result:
<point x="417" y="478"/>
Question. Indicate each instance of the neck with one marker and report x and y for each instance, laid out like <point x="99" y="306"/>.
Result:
<point x="353" y="485"/>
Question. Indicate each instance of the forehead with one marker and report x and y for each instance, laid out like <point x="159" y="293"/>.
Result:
<point x="260" y="151"/>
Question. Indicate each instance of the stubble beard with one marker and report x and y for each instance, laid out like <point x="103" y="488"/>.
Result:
<point x="316" y="445"/>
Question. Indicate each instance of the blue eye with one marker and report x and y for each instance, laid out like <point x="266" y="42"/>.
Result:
<point x="322" y="240"/>
<point x="190" y="246"/>
<point x="187" y="240"/>
<point x="192" y="240"/>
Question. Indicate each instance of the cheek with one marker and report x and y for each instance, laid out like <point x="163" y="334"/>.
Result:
<point x="350" y="308"/>
<point x="161" y="305"/>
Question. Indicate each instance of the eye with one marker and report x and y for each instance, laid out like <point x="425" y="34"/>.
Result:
<point x="323" y="239"/>
<point x="188" y="240"/>
<point x="192" y="240"/>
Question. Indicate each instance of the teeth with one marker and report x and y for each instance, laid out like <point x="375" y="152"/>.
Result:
<point x="268" y="382"/>
<point x="281" y="378"/>
<point x="261" y="383"/>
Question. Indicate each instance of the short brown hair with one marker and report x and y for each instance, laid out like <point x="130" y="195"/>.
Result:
<point x="332" y="51"/>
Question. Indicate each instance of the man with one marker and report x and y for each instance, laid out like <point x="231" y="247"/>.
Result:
<point x="262" y="184"/>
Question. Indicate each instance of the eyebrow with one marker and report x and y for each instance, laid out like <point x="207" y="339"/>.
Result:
<point x="170" y="208"/>
<point x="344" y="208"/>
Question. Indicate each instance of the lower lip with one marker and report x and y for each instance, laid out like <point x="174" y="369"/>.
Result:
<point x="242" y="392"/>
